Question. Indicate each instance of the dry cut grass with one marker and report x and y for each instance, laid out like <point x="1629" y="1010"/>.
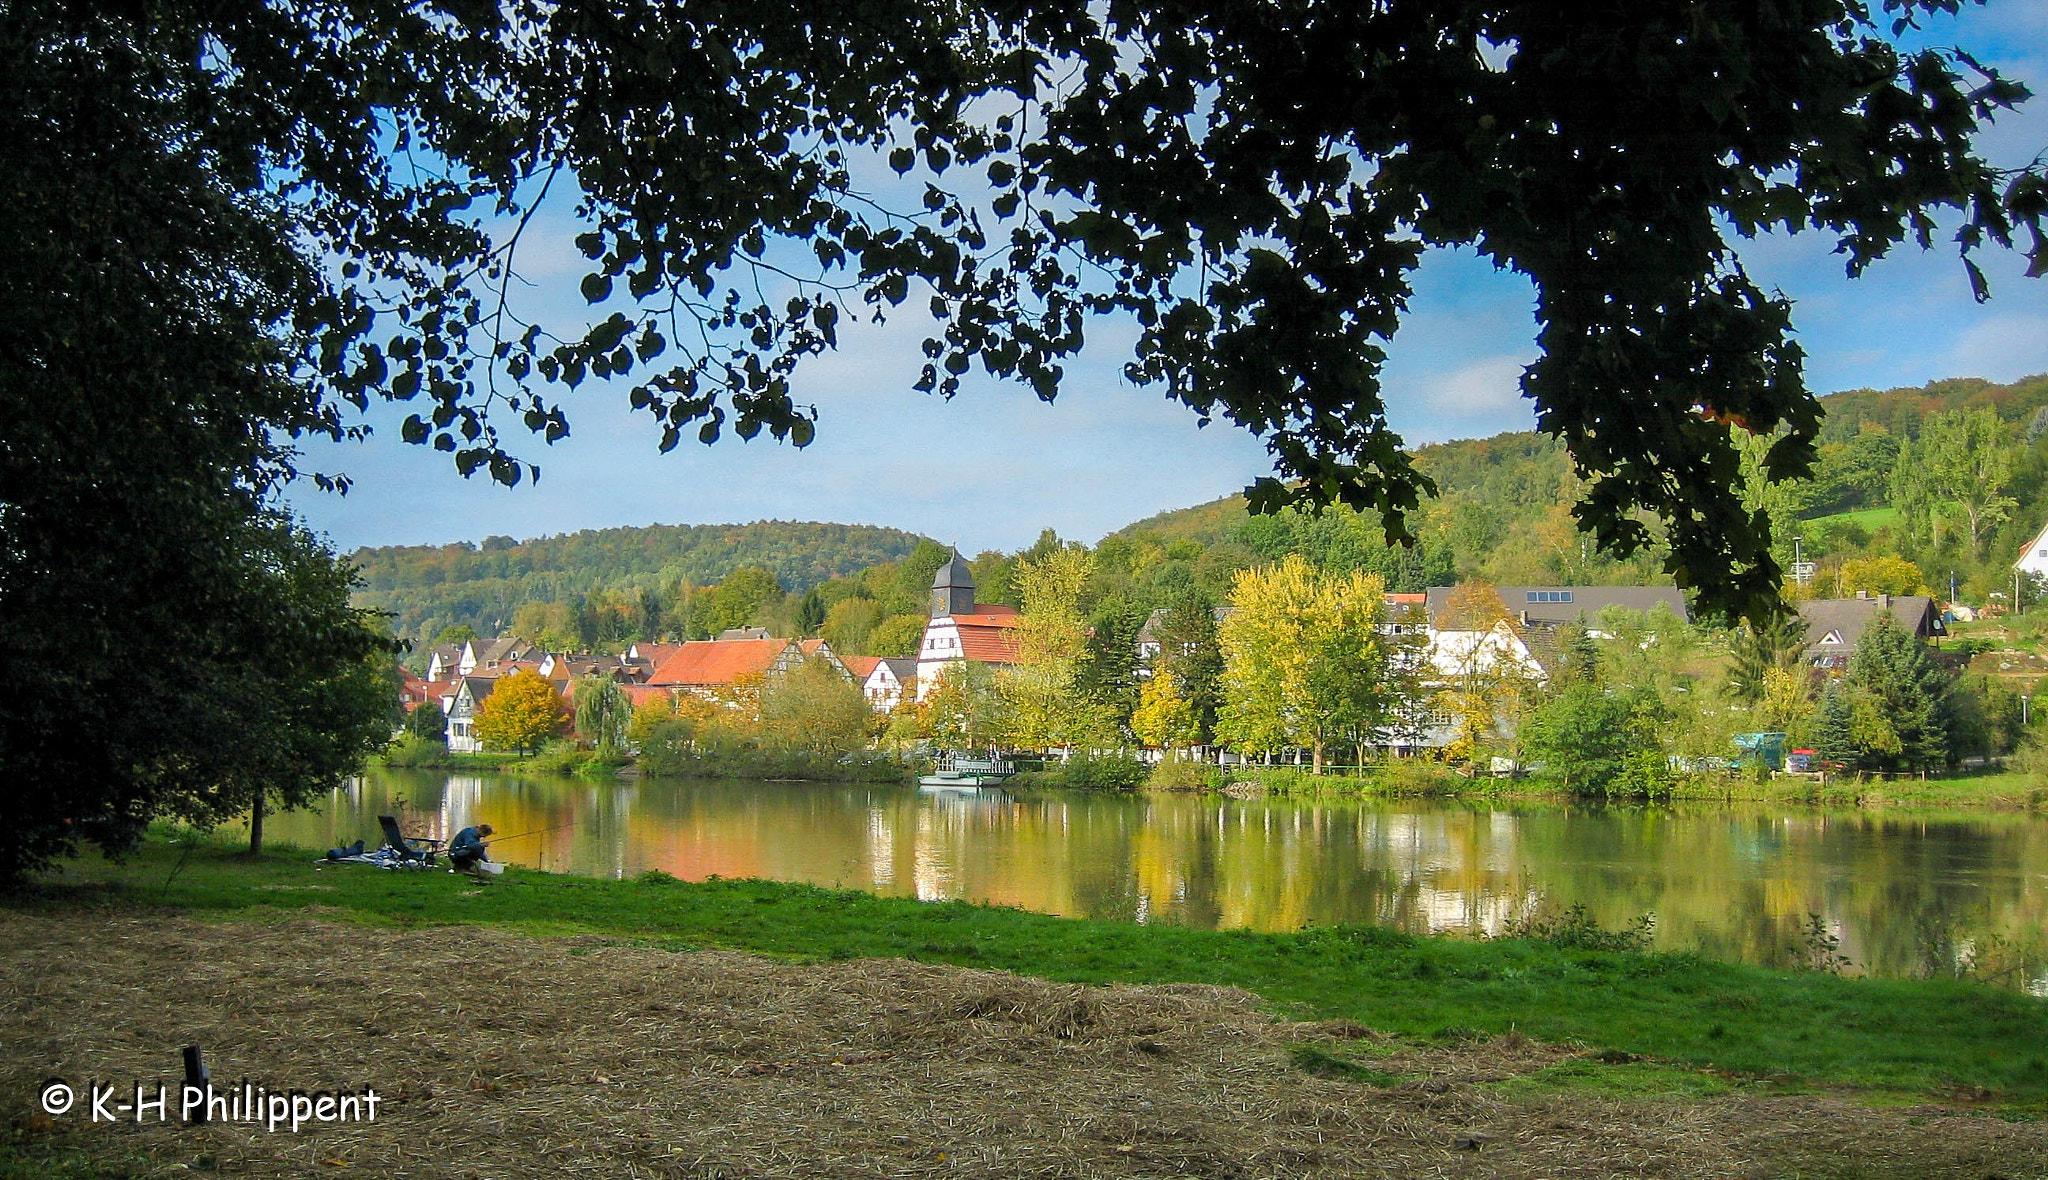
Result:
<point x="505" y="1056"/>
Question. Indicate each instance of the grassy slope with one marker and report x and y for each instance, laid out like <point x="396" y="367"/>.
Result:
<point x="1914" y="1037"/>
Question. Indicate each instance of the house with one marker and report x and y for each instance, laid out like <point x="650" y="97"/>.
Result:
<point x="469" y="695"/>
<point x="2033" y="560"/>
<point x="1554" y="606"/>
<point x="490" y="655"/>
<point x="961" y="629"/>
<point x="442" y="661"/>
<point x="818" y="649"/>
<point x="641" y="659"/>
<point x="889" y="683"/>
<point x="710" y="667"/>
<point x="1833" y="625"/>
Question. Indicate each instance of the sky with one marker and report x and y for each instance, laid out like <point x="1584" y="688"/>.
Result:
<point x="992" y="467"/>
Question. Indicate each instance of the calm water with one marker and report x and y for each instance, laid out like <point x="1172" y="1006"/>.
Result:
<point x="1906" y="894"/>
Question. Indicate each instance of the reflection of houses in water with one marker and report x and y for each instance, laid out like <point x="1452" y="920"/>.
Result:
<point x="881" y="848"/>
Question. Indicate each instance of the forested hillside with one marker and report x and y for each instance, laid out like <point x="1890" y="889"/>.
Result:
<point x="430" y="588"/>
<point x="1912" y="486"/>
<point x="1951" y="476"/>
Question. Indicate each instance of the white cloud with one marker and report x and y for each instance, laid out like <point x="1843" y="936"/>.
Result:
<point x="2005" y="347"/>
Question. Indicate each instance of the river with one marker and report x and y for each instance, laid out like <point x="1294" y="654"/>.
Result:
<point x="1906" y="893"/>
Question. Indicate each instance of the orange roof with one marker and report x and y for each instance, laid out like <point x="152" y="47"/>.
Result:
<point x="718" y="661"/>
<point x="1408" y="599"/>
<point x="655" y="653"/>
<point x="990" y="616"/>
<point x="988" y="639"/>
<point x="640" y="694"/>
<point x="860" y="666"/>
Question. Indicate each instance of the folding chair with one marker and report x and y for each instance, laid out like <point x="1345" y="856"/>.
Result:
<point x="412" y="851"/>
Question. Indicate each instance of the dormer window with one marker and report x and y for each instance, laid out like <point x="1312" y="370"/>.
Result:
<point x="1549" y="596"/>
<point x="1832" y="637"/>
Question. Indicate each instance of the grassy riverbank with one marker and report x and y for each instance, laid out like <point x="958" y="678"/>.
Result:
<point x="1705" y="1020"/>
<point x="2006" y="790"/>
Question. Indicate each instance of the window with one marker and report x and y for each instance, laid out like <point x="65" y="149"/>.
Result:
<point x="1549" y="596"/>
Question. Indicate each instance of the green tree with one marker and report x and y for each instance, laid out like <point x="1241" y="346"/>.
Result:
<point x="1582" y="736"/>
<point x="427" y="722"/>
<point x="522" y="713"/>
<point x="1903" y="693"/>
<point x="737" y="601"/>
<point x="1966" y="458"/>
<point x="1834" y="738"/>
<point x="1302" y="662"/>
<point x="897" y="637"/>
<point x="602" y="713"/>
<point x="964" y="709"/>
<point x="813" y="709"/>
<point x="1043" y="691"/>
<point x="849" y="623"/>
<point x="1190" y="653"/>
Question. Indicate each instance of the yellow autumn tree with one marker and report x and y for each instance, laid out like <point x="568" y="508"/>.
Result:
<point x="522" y="713"/>
<point x="1164" y="717"/>
<point x="1302" y="662"/>
<point x="1045" y="702"/>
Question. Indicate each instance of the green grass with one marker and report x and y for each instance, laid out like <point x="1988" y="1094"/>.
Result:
<point x="1618" y="1079"/>
<point x="1925" y="1037"/>
<point x="1870" y="519"/>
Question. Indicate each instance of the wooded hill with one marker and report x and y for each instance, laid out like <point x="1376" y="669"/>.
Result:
<point x="483" y="585"/>
<point x="1502" y="515"/>
<point x="1503" y="509"/>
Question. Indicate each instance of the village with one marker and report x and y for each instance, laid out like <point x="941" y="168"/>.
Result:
<point x="1455" y="672"/>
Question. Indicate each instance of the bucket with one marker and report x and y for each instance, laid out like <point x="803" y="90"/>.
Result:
<point x="489" y="866"/>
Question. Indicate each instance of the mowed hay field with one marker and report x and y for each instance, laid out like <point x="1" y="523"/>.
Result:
<point x="504" y="1055"/>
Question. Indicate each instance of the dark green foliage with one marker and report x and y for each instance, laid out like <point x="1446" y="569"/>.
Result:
<point x="1101" y="772"/>
<point x="1109" y="668"/>
<point x="1833" y="726"/>
<point x="1189" y="652"/>
<point x="1581" y="737"/>
<point x="173" y="646"/>
<point x="1908" y="692"/>
<point x="1174" y="175"/>
<point x="427" y="722"/>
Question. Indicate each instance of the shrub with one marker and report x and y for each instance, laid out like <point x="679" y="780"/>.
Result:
<point x="1180" y="774"/>
<point x="1104" y="772"/>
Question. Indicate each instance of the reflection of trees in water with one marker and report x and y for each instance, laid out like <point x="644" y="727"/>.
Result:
<point x="1907" y="894"/>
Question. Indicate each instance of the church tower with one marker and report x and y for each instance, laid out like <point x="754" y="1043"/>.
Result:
<point x="953" y="589"/>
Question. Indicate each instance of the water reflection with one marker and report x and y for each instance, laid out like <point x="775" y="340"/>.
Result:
<point x="1905" y="894"/>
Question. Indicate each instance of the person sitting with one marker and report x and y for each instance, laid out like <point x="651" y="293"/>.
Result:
<point x="467" y="849"/>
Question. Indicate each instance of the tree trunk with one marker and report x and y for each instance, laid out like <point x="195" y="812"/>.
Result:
<point x="256" y="827"/>
<point x="1316" y="763"/>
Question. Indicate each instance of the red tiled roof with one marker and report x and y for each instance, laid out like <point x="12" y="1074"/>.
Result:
<point x="718" y="661"/>
<point x="655" y="653"/>
<point x="640" y="694"/>
<point x="1407" y="599"/>
<point x="988" y="639"/>
<point x="860" y="666"/>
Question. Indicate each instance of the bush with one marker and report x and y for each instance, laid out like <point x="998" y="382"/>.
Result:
<point x="412" y="752"/>
<point x="1574" y="929"/>
<point x="1181" y="774"/>
<point x="1104" y="772"/>
<point x="559" y="757"/>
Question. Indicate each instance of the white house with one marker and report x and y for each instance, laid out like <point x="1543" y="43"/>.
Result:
<point x="2033" y="560"/>
<point x="470" y="693"/>
<point x="888" y="682"/>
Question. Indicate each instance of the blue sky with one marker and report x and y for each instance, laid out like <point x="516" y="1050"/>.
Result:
<point x="992" y="467"/>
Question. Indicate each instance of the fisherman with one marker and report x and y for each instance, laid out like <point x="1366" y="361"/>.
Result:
<point x="467" y="849"/>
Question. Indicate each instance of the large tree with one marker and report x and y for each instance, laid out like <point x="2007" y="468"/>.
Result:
<point x="229" y="221"/>
<point x="1065" y="160"/>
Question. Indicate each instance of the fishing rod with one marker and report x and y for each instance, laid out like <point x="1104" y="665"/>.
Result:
<point x="534" y="832"/>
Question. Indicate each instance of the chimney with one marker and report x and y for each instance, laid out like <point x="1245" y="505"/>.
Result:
<point x="1863" y="594"/>
<point x="1884" y="601"/>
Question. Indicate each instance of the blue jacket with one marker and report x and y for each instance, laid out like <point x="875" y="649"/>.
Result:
<point x="467" y="843"/>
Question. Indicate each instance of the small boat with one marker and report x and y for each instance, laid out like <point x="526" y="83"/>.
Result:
<point x="953" y="773"/>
